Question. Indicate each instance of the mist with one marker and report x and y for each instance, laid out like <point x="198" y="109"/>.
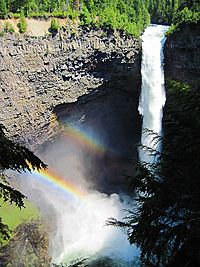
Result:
<point x="76" y="225"/>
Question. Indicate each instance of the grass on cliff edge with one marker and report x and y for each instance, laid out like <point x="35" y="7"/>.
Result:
<point x="13" y="216"/>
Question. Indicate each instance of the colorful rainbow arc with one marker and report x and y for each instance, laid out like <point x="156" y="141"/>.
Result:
<point x="84" y="139"/>
<point x="58" y="182"/>
<point x="81" y="138"/>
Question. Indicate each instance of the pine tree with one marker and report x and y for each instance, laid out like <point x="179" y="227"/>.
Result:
<point x="13" y="157"/>
<point x="165" y="223"/>
<point x="3" y="9"/>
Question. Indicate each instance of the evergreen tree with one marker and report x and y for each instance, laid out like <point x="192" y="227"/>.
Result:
<point x="3" y="9"/>
<point x="13" y="157"/>
<point x="165" y="223"/>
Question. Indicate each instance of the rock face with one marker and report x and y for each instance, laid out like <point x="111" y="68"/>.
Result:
<point x="28" y="247"/>
<point x="107" y="118"/>
<point x="182" y="55"/>
<point x="37" y="74"/>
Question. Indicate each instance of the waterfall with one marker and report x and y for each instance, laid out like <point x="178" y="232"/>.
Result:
<point x="152" y="97"/>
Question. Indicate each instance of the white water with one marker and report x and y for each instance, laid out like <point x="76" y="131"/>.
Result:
<point x="152" y="97"/>
<point x="77" y="225"/>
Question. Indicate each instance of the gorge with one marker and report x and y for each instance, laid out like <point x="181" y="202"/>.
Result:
<point x="83" y="92"/>
<point x="104" y="75"/>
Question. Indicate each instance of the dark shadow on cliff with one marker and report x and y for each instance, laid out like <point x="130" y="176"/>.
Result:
<point x="109" y="114"/>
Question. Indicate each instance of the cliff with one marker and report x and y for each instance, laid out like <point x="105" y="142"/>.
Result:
<point x="182" y="55"/>
<point x="39" y="73"/>
<point x="87" y="77"/>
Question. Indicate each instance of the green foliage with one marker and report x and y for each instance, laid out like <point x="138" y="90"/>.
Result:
<point x="108" y="18"/>
<point x="187" y="15"/>
<point x="3" y="9"/>
<point x="176" y="86"/>
<point x="13" y="157"/>
<point x="12" y="216"/>
<point x="172" y="11"/>
<point x="85" y="16"/>
<point x="131" y="16"/>
<point x="165" y="223"/>
<point x="72" y="13"/>
<point x="131" y="29"/>
<point x="184" y="16"/>
<point x="120" y="15"/>
<point x="8" y="28"/>
<point x="4" y="232"/>
<point x="22" y="25"/>
<point x="171" y="30"/>
<point x="8" y="193"/>
<point x="15" y="15"/>
<point x="55" y="26"/>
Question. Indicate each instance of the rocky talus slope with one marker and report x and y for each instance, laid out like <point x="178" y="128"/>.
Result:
<point x="37" y="74"/>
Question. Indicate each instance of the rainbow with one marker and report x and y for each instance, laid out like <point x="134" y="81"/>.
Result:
<point x="83" y="139"/>
<point x="58" y="182"/>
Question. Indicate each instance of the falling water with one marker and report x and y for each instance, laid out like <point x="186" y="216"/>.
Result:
<point x="152" y="97"/>
<point x="76" y="223"/>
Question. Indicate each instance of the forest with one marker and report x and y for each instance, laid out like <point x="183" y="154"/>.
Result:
<point x="132" y="17"/>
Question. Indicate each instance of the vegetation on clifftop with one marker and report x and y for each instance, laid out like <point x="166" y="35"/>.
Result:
<point x="131" y="16"/>
<point x="184" y="16"/>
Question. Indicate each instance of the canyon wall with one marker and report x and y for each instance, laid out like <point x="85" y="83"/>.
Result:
<point x="88" y="77"/>
<point x="182" y="55"/>
<point x="39" y="73"/>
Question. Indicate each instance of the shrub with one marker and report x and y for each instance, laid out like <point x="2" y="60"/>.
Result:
<point x="171" y="30"/>
<point x="72" y="13"/>
<point x="8" y="27"/>
<point x="14" y="15"/>
<point x="59" y="14"/>
<point x="22" y="25"/>
<point x="55" y="26"/>
<point x="85" y="16"/>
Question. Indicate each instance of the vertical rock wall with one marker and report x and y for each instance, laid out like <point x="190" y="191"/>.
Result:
<point x="37" y="74"/>
<point x="182" y="55"/>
